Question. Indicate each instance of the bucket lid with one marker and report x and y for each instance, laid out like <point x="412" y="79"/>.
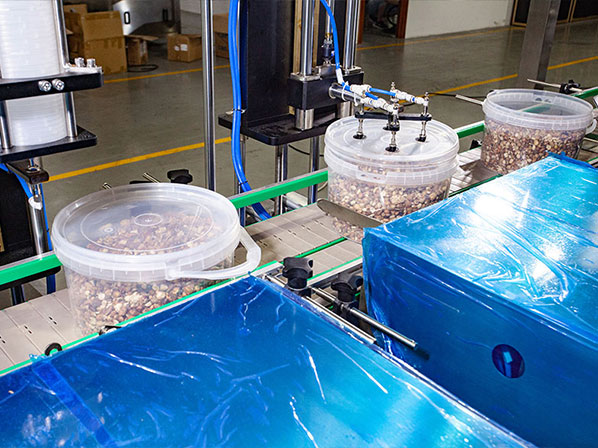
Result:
<point x="146" y="232"/>
<point x="414" y="163"/>
<point x="538" y="109"/>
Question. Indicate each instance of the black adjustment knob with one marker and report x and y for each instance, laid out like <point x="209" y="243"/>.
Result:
<point x="347" y="286"/>
<point x="297" y="271"/>
<point x="569" y="87"/>
<point x="181" y="176"/>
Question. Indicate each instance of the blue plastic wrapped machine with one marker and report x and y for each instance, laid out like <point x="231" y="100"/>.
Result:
<point x="500" y="286"/>
<point x="245" y="365"/>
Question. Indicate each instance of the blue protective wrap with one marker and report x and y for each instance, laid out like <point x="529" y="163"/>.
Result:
<point x="499" y="285"/>
<point x="244" y="365"/>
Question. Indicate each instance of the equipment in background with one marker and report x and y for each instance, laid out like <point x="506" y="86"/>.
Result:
<point x="37" y="118"/>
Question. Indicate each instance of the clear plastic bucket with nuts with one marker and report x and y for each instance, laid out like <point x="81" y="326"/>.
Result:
<point x="131" y="249"/>
<point x="383" y="185"/>
<point x="523" y="125"/>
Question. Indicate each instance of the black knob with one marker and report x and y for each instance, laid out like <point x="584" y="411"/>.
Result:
<point x="181" y="176"/>
<point x="297" y="271"/>
<point x="347" y="286"/>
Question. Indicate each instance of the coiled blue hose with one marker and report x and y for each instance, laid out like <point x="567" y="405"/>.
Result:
<point x="236" y="130"/>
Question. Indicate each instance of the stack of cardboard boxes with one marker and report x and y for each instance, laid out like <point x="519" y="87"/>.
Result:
<point x="187" y="47"/>
<point x="97" y="35"/>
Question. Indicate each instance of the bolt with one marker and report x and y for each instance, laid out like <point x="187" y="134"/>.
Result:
<point x="91" y="63"/>
<point x="58" y="84"/>
<point x="44" y="86"/>
<point x="80" y="62"/>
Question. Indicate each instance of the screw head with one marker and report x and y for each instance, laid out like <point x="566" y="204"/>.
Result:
<point x="44" y="86"/>
<point x="80" y="62"/>
<point x="91" y="63"/>
<point x="58" y="84"/>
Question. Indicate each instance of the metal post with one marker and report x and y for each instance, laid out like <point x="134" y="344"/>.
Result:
<point x="328" y="23"/>
<point x="208" y="93"/>
<point x="4" y="128"/>
<point x="281" y="173"/>
<point x="69" y="102"/>
<point x="314" y="165"/>
<point x="351" y="24"/>
<point x="242" y="210"/>
<point x="537" y="42"/>
<point x="304" y="119"/>
<point x="37" y="220"/>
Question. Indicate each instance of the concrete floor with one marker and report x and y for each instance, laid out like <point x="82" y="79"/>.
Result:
<point x="141" y="114"/>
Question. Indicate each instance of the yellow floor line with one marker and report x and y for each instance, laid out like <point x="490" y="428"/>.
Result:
<point x="116" y="163"/>
<point x="157" y="75"/>
<point x="166" y="152"/>
<point x="434" y="39"/>
<point x="514" y="75"/>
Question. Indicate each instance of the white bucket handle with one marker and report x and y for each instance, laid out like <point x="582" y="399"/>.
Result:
<point x="591" y="127"/>
<point x="254" y="255"/>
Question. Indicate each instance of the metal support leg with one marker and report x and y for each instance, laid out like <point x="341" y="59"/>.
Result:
<point x="242" y="210"/>
<point x="17" y="294"/>
<point x="281" y="173"/>
<point x="314" y="165"/>
<point x="537" y="42"/>
<point x="208" y="93"/>
<point x="4" y="129"/>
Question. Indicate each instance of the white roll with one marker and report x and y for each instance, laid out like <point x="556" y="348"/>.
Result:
<point x="28" y="49"/>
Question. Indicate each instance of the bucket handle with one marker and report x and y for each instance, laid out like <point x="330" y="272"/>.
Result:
<point x="591" y="127"/>
<point x="254" y="255"/>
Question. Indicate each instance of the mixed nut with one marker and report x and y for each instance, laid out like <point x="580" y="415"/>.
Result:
<point x="97" y="302"/>
<point x="384" y="202"/>
<point x="507" y="148"/>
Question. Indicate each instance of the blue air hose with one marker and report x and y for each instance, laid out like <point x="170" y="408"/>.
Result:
<point x="236" y="130"/>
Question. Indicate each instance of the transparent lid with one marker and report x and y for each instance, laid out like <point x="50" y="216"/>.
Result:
<point x="414" y="162"/>
<point x="145" y="232"/>
<point x="538" y="109"/>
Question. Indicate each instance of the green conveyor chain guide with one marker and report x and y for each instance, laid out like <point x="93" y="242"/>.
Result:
<point x="44" y="263"/>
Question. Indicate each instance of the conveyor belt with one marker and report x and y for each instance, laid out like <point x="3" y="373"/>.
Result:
<point x="28" y="328"/>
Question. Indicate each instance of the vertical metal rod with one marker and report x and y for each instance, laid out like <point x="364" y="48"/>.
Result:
<point x="307" y="37"/>
<point x="314" y="165"/>
<point x="242" y="210"/>
<point x="4" y="128"/>
<point x="37" y="220"/>
<point x="208" y="93"/>
<point x="69" y="103"/>
<point x="281" y="165"/>
<point x="351" y="22"/>
<point x="18" y="294"/>
<point x="328" y="23"/>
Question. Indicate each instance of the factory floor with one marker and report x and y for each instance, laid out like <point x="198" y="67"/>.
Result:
<point x="153" y="122"/>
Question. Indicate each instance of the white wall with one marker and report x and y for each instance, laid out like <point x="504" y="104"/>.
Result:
<point x="430" y="17"/>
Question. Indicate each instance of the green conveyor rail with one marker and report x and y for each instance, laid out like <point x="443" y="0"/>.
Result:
<point x="49" y="261"/>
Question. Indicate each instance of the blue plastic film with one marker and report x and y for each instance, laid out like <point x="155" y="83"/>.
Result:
<point x="499" y="285"/>
<point x="244" y="365"/>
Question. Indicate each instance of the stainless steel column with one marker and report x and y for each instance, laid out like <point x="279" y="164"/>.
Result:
<point x="4" y="128"/>
<point x="37" y="220"/>
<point x="328" y="22"/>
<point x="281" y="173"/>
<point x="208" y="93"/>
<point x="314" y="165"/>
<point x="69" y="102"/>
<point x="304" y="119"/>
<point x="351" y="23"/>
<point x="242" y="210"/>
<point x="537" y="42"/>
<point x="307" y="37"/>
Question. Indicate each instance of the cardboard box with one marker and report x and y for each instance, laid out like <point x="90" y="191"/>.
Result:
<point x="137" y="52"/>
<point x="80" y="8"/>
<point x="220" y="28"/>
<point x="184" y="47"/>
<point x="98" y="35"/>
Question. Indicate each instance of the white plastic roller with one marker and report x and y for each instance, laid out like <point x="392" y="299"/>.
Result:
<point x="29" y="48"/>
